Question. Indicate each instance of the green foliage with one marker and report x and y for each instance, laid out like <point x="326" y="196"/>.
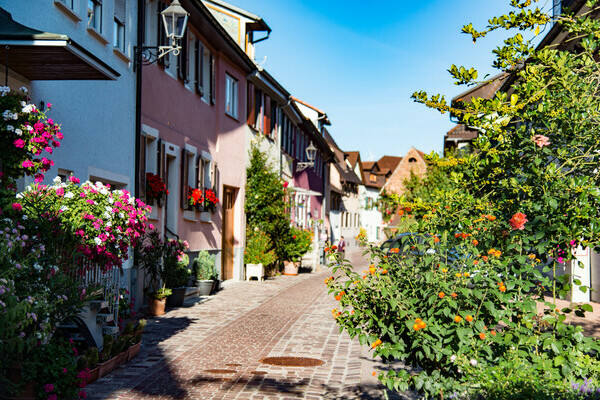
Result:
<point x="258" y="248"/>
<point x="161" y="293"/>
<point x="267" y="200"/>
<point x="296" y="243"/>
<point x="204" y="266"/>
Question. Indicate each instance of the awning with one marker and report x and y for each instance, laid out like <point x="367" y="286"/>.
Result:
<point x="306" y="192"/>
<point x="41" y="55"/>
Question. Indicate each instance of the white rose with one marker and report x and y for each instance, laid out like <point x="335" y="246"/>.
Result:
<point x="18" y="132"/>
<point x="69" y="195"/>
<point x="97" y="241"/>
<point x="57" y="180"/>
<point x="10" y="128"/>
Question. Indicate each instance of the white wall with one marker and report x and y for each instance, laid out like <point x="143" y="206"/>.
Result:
<point x="371" y="219"/>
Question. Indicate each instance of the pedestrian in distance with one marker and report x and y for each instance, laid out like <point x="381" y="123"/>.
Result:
<point x="342" y="248"/>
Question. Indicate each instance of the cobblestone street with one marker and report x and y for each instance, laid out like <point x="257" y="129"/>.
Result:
<point x="231" y="332"/>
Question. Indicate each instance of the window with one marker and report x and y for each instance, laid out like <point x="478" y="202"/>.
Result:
<point x="68" y="3"/>
<point x="94" y="14"/>
<point x="119" y="25"/>
<point x="373" y="178"/>
<point x="231" y="96"/>
<point x="412" y="160"/>
<point x="273" y="125"/>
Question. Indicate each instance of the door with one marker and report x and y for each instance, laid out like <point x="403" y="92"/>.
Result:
<point x="228" y="228"/>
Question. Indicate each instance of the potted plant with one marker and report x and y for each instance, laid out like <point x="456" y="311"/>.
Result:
<point x="156" y="189"/>
<point x="150" y="254"/>
<point x="298" y="243"/>
<point x="89" y="360"/>
<point x="119" y="351"/>
<point x="205" y="272"/>
<point x="210" y="200"/>
<point x="196" y="198"/>
<point x="175" y="273"/>
<point x="136" y="339"/>
<point x="258" y="253"/>
<point x="106" y="362"/>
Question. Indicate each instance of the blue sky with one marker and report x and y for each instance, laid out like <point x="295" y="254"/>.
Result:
<point x="360" y="62"/>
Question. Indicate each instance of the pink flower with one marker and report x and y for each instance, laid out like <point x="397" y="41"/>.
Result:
<point x="285" y="184"/>
<point x="19" y="143"/>
<point x="48" y="387"/>
<point x="541" y="140"/>
<point x="74" y="179"/>
<point x="39" y="178"/>
<point x="518" y="221"/>
<point x="52" y="397"/>
<point x="59" y="135"/>
<point x="27" y="164"/>
<point x="60" y="192"/>
<point x="48" y="149"/>
<point x="64" y="371"/>
<point x="17" y="206"/>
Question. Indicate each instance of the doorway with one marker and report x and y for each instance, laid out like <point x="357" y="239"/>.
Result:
<point x="228" y="204"/>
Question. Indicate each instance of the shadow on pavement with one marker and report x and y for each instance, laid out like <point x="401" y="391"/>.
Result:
<point x="149" y="366"/>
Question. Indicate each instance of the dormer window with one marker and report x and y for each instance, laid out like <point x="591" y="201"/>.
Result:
<point x="412" y="160"/>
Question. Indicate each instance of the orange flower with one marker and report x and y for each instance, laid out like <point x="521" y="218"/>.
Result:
<point x="531" y="256"/>
<point x="464" y="235"/>
<point x="466" y="274"/>
<point x="503" y="288"/>
<point x="372" y="269"/>
<point x="342" y="293"/>
<point x="469" y="318"/>
<point x="458" y="318"/>
<point x="475" y="262"/>
<point x="482" y="336"/>
<point x="401" y="212"/>
<point x="374" y="373"/>
<point x="334" y="248"/>
<point x="436" y="239"/>
<point x="491" y="251"/>
<point x="395" y="250"/>
<point x="458" y="274"/>
<point x="326" y="249"/>
<point x="339" y="313"/>
<point x="384" y="271"/>
<point x="475" y="242"/>
<point x="418" y="320"/>
<point x="352" y="312"/>
<point x="441" y="295"/>
<point x="376" y="343"/>
<point x="416" y="327"/>
<point x="491" y="217"/>
<point x="493" y="333"/>
<point x="457" y="235"/>
<point x="485" y="258"/>
<point x="444" y="270"/>
<point x="422" y="325"/>
<point x="454" y="295"/>
<point x="338" y="297"/>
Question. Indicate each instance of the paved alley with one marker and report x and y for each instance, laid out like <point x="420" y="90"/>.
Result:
<point x="212" y="350"/>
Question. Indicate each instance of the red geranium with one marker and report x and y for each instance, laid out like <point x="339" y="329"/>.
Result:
<point x="195" y="197"/>
<point x="155" y="187"/>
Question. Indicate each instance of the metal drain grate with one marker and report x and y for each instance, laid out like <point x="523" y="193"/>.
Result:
<point x="292" y="361"/>
<point x="220" y="371"/>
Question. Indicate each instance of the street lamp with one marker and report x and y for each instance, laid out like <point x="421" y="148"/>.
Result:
<point x="174" y="19"/>
<point x="311" y="152"/>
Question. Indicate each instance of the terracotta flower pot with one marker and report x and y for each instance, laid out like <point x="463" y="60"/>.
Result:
<point x="133" y="351"/>
<point x="14" y="376"/>
<point x="105" y="367"/>
<point x="290" y="268"/>
<point x="94" y="375"/>
<point x="156" y="307"/>
<point x="120" y="359"/>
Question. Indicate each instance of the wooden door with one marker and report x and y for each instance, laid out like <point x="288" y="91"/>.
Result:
<point x="228" y="228"/>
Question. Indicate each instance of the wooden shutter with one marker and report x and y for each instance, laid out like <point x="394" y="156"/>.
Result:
<point x="185" y="169"/>
<point x="267" y="120"/>
<point x="162" y="161"/>
<point x="213" y="80"/>
<point x="258" y="100"/>
<point x="199" y="68"/>
<point x="250" y="107"/>
<point x="142" y="168"/>
<point x="273" y="125"/>
<point x="182" y="59"/>
<point x="120" y="10"/>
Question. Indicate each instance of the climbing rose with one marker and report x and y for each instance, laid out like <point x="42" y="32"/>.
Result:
<point x="17" y="206"/>
<point x="541" y="140"/>
<point x="518" y="221"/>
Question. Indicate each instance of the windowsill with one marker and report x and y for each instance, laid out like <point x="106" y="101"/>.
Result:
<point x="153" y="215"/>
<point x="232" y="117"/>
<point x="121" y="55"/>
<point x="205" y="217"/>
<point x="190" y="215"/>
<point x="70" y="13"/>
<point x="97" y="35"/>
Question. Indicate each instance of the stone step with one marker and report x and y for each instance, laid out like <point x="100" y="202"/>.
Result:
<point x="99" y="304"/>
<point x="110" y="330"/>
<point x="102" y="318"/>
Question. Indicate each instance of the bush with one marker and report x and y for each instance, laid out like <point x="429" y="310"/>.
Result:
<point x="258" y="248"/>
<point x="175" y="272"/>
<point x="204" y="266"/>
<point x="296" y="243"/>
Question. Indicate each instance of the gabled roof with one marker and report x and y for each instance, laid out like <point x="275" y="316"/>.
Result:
<point x="388" y="163"/>
<point x="485" y="90"/>
<point x="347" y="174"/>
<point x="258" y="25"/>
<point x="353" y="157"/>
<point x="368" y="165"/>
<point x="461" y="132"/>
<point x="319" y="111"/>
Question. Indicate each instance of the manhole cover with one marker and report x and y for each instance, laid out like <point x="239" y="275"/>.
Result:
<point x="292" y="361"/>
<point x="234" y="365"/>
<point x="220" y="371"/>
<point x="258" y="372"/>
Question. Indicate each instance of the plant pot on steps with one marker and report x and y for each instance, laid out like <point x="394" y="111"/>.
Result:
<point x="205" y="287"/>
<point x="290" y="268"/>
<point x="156" y="307"/>
<point x="133" y="351"/>
<point x="14" y="376"/>
<point x="105" y="367"/>
<point x="176" y="299"/>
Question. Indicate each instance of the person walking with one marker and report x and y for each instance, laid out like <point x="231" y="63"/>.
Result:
<point x="342" y="248"/>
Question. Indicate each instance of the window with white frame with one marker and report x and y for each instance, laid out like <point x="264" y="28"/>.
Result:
<point x="119" y="25"/>
<point x="94" y="14"/>
<point x="67" y="3"/>
<point x="231" y="96"/>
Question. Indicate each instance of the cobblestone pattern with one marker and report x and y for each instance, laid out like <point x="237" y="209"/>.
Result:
<point x="232" y="332"/>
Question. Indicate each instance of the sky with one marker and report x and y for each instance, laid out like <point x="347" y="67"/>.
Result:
<point x="360" y="62"/>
